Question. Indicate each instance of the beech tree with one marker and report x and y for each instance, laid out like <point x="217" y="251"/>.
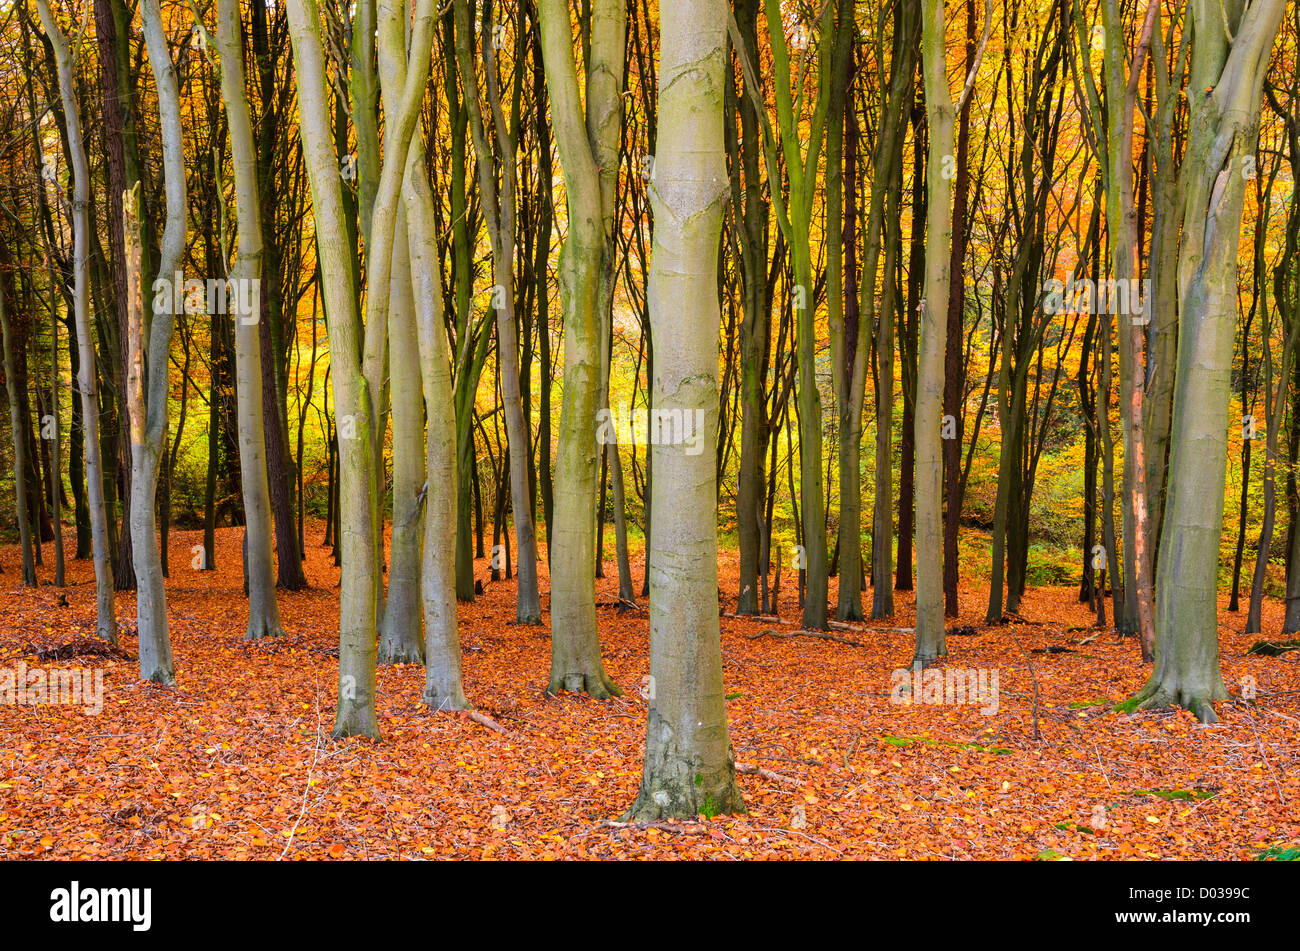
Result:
<point x="263" y="613"/>
<point x="1229" y="59"/>
<point x="87" y="381"/>
<point x="689" y="767"/>
<point x="586" y="132"/>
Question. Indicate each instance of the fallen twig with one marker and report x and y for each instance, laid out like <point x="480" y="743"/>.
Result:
<point x="822" y="635"/>
<point x="752" y="769"/>
<point x="484" y="720"/>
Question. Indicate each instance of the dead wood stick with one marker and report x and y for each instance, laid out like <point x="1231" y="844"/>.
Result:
<point x="822" y="635"/>
<point x="752" y="769"/>
<point x="484" y="720"/>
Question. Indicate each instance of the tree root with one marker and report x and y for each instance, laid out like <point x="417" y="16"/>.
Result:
<point x="1155" y="696"/>
<point x="598" y="686"/>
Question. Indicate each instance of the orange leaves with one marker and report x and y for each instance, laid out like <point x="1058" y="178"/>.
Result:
<point x="236" y="762"/>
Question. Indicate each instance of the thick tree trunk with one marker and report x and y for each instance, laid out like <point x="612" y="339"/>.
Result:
<point x="1222" y="132"/>
<point x="939" y="109"/>
<point x="689" y="766"/>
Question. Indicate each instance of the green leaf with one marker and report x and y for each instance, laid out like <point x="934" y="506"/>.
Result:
<point x="1169" y="795"/>
<point x="1279" y="853"/>
<point x="1051" y="855"/>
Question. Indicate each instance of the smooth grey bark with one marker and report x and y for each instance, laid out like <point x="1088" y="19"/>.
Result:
<point x="87" y="384"/>
<point x="587" y="141"/>
<point x="689" y="766"/>
<point x="1226" y="81"/>
<point x="147" y="386"/>
<point x="401" y="638"/>
<point x="259" y="569"/>
<point x="443" y="689"/>
<point x="357" y="392"/>
<point x="940" y="116"/>
<point x="499" y="213"/>
<point x="442" y="656"/>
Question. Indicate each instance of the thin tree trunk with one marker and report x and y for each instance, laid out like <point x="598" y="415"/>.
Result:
<point x="106" y="620"/>
<point x="263" y="612"/>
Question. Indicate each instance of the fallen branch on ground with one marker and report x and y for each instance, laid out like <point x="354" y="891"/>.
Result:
<point x="752" y="769"/>
<point x="484" y="720"/>
<point x="823" y="635"/>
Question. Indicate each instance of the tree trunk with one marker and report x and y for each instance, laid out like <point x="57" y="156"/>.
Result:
<point x="263" y="612"/>
<point x="1226" y="79"/>
<point x="499" y="211"/>
<point x="106" y="620"/>
<point x="18" y="431"/>
<point x="689" y="766"/>
<point x="576" y="664"/>
<point x="939" y="110"/>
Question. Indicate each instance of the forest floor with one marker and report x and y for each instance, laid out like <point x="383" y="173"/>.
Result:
<point x="237" y="761"/>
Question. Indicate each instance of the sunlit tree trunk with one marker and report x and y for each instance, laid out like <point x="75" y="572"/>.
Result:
<point x="357" y="389"/>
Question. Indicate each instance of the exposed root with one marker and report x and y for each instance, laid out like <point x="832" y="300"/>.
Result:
<point x="598" y="686"/>
<point x="260" y="630"/>
<point x="1156" y="696"/>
